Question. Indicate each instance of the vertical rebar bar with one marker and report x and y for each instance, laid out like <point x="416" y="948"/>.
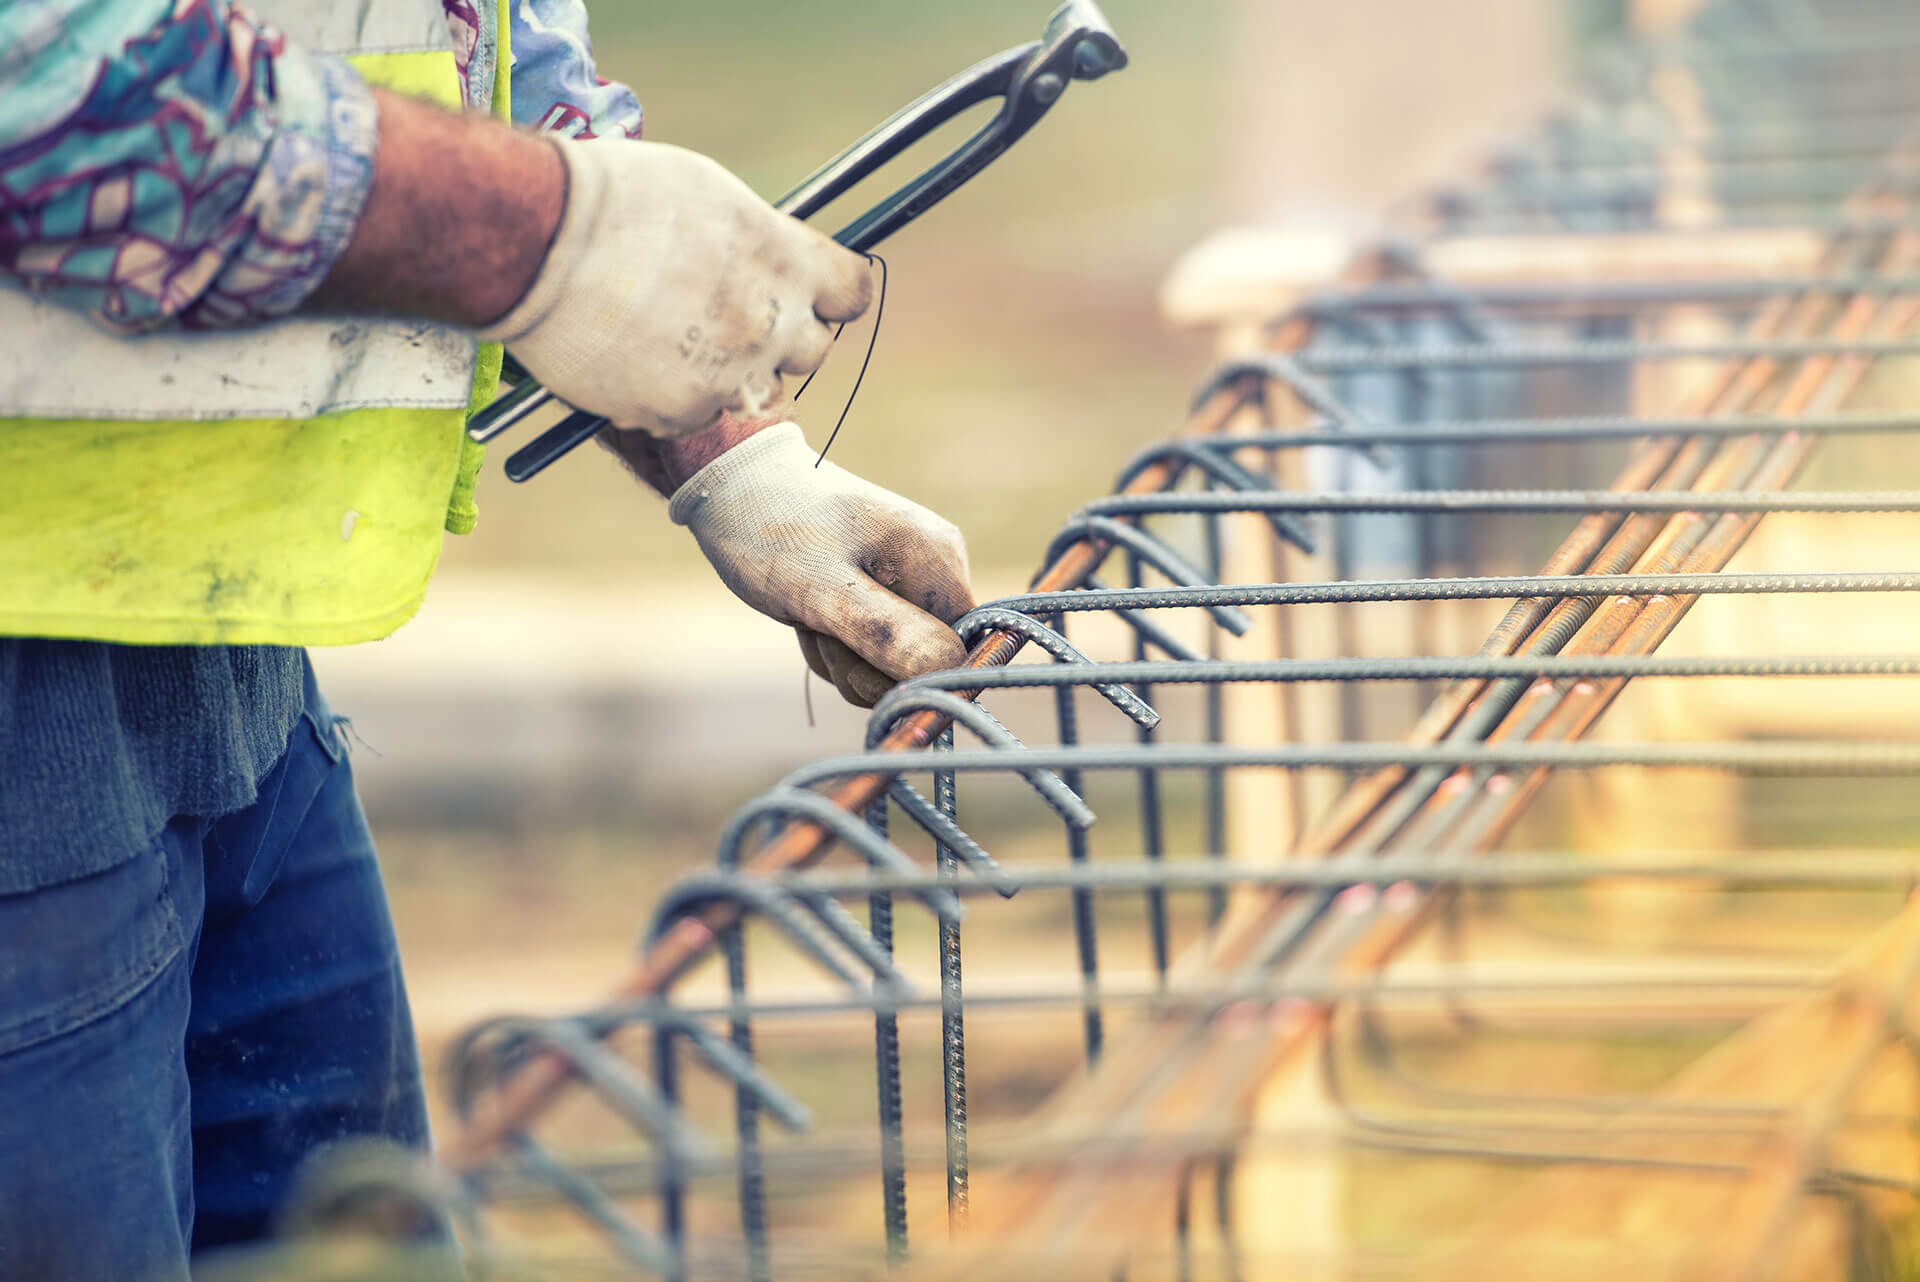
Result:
<point x="953" y="1031"/>
<point x="886" y="1061"/>
<point x="673" y="1191"/>
<point x="1183" y="1225"/>
<point x="1223" y="1172"/>
<point x="746" y="1115"/>
<point x="1216" y="781"/>
<point x="1152" y="822"/>
<point x="1085" y="941"/>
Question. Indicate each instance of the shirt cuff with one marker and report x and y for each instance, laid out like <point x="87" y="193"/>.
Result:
<point x="307" y="194"/>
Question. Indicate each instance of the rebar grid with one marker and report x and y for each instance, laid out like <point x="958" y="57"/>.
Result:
<point x="1210" y="1005"/>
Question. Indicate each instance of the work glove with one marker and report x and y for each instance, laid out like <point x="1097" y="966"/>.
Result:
<point x="868" y="579"/>
<point x="672" y="292"/>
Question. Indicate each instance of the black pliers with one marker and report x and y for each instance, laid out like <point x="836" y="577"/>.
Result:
<point x="1077" y="45"/>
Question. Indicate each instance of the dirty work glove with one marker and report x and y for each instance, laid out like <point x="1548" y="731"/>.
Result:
<point x="869" y="580"/>
<point x="672" y="292"/>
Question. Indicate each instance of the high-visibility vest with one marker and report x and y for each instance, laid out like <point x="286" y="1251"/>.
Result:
<point x="289" y="484"/>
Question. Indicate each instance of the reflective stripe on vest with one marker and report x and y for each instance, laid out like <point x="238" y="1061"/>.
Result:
<point x="286" y="485"/>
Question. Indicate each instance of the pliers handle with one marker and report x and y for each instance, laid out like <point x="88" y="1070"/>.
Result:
<point x="1078" y="44"/>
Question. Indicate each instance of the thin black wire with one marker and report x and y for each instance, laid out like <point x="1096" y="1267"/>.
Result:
<point x="879" y="313"/>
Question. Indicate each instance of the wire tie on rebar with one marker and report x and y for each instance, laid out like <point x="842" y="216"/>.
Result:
<point x="624" y="1090"/>
<point x="901" y="701"/>
<point x="1358" y="327"/>
<point x="1278" y="367"/>
<point x="1213" y="455"/>
<point x="691" y="893"/>
<point x="941" y="827"/>
<point x="789" y="803"/>
<point x="725" y="1059"/>
<point x="517" y="1038"/>
<point x="1084" y="526"/>
<point x="1360" y="331"/>
<point x="1472" y="319"/>
<point x="639" y="1246"/>
<point x="993" y="618"/>
<point x="717" y="1052"/>
<point x="847" y="928"/>
<point x="482" y="1054"/>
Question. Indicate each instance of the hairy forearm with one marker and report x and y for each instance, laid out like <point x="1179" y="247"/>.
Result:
<point x="465" y="252"/>
<point x="456" y="223"/>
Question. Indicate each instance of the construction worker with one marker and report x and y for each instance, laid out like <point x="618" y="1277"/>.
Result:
<point x="256" y="270"/>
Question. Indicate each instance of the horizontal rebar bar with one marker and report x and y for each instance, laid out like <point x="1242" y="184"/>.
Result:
<point x="1198" y="871"/>
<point x="1805" y="757"/>
<point x="1416" y="668"/>
<point x="1548" y="430"/>
<point x="1478" y="502"/>
<point x="1365" y="360"/>
<point x="1492" y="588"/>
<point x="1563" y="294"/>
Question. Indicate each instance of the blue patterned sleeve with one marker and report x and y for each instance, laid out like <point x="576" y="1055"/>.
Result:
<point x="555" y="86"/>
<point x="174" y="162"/>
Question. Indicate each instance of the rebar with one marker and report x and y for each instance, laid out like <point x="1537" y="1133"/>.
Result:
<point x="1304" y="907"/>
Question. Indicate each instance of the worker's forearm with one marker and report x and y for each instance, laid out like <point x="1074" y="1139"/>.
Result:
<point x="639" y="281"/>
<point x="457" y="221"/>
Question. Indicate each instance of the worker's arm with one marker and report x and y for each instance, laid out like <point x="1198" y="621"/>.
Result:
<point x="663" y="318"/>
<point x="172" y="162"/>
<point x="177" y="163"/>
<point x="639" y="281"/>
<point x="463" y="250"/>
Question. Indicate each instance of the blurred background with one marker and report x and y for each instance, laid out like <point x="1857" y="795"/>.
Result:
<point x="581" y="704"/>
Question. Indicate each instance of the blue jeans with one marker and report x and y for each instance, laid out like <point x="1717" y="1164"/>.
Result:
<point x="179" y="1032"/>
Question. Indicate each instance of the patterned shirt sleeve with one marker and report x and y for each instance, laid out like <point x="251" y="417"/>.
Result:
<point x="555" y="86"/>
<point x="173" y="161"/>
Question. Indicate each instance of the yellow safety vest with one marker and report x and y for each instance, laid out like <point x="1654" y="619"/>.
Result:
<point x="289" y="484"/>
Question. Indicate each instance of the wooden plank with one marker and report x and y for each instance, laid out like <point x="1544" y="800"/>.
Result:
<point x="1244" y="277"/>
<point x="1652" y="256"/>
<point x="1814" y="1058"/>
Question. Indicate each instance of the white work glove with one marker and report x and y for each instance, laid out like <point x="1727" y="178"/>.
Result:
<point x="869" y="579"/>
<point x="672" y="292"/>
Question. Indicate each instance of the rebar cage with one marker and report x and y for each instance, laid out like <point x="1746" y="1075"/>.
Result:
<point x="1378" y="962"/>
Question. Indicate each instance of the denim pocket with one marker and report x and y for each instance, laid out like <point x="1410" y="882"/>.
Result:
<point x="78" y="950"/>
<point x="253" y="843"/>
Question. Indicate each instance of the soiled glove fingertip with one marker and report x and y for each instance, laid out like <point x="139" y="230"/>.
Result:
<point x="868" y="688"/>
<point x="849" y="291"/>
<point x="931" y="651"/>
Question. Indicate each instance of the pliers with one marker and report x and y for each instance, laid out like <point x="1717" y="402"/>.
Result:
<point x="1078" y="44"/>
